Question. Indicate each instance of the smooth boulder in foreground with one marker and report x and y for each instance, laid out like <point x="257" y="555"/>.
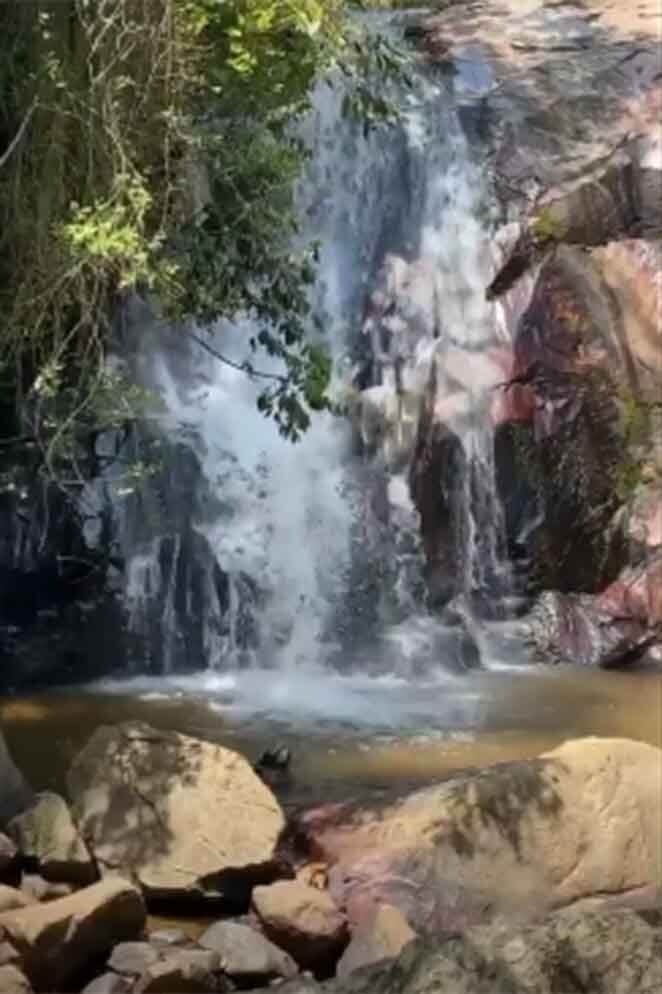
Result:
<point x="517" y="839"/>
<point x="185" y="818"/>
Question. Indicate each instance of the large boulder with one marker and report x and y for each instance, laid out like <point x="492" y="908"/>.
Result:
<point x="247" y="957"/>
<point x="304" y="921"/>
<point x="186" y="818"/>
<point x="572" y="952"/>
<point x="58" y="941"/>
<point x="47" y="837"/>
<point x="581" y="820"/>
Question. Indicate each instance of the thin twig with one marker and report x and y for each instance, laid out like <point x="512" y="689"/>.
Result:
<point x="6" y="155"/>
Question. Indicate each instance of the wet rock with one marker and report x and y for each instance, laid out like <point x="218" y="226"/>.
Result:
<point x="616" y="628"/>
<point x="10" y="898"/>
<point x="381" y="937"/>
<point x="304" y="921"/>
<point x="442" y="854"/>
<point x="187" y="818"/>
<point x="247" y="957"/>
<point x="58" y="940"/>
<point x="15" y="793"/>
<point x="109" y="983"/>
<point x="47" y="838"/>
<point x="13" y="981"/>
<point x="585" y="351"/>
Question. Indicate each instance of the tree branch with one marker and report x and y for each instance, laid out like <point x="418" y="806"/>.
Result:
<point x="6" y="155"/>
<point x="242" y="367"/>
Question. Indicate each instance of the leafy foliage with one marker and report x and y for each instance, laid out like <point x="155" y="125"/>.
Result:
<point x="147" y="146"/>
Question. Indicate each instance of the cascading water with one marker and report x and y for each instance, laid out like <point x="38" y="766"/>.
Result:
<point x="248" y="552"/>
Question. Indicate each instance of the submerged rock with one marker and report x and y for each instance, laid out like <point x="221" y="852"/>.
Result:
<point x="513" y="840"/>
<point x="188" y="819"/>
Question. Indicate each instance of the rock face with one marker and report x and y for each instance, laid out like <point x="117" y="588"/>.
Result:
<point x="576" y="342"/>
<point x="441" y="855"/>
<point x="187" y="818"/>
<point x="246" y="956"/>
<point x="304" y="921"/>
<point x="46" y="835"/>
<point x="382" y="936"/>
<point x="59" y="940"/>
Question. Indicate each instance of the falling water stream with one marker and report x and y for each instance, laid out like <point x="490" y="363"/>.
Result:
<point x="274" y="589"/>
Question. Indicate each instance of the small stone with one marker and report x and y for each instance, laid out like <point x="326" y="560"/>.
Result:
<point x="108" y="983"/>
<point x="38" y="889"/>
<point x="46" y="835"/>
<point x="168" y="937"/>
<point x="10" y="898"/>
<point x="13" y="981"/>
<point x="9" y="860"/>
<point x="302" y="920"/>
<point x="246" y="956"/>
<point x="60" y="939"/>
<point x="382" y="937"/>
<point x="8" y="954"/>
<point x="132" y="957"/>
<point x="183" y="971"/>
<point x="15" y="793"/>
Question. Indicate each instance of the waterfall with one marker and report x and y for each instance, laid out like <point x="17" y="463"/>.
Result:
<point x="248" y="552"/>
